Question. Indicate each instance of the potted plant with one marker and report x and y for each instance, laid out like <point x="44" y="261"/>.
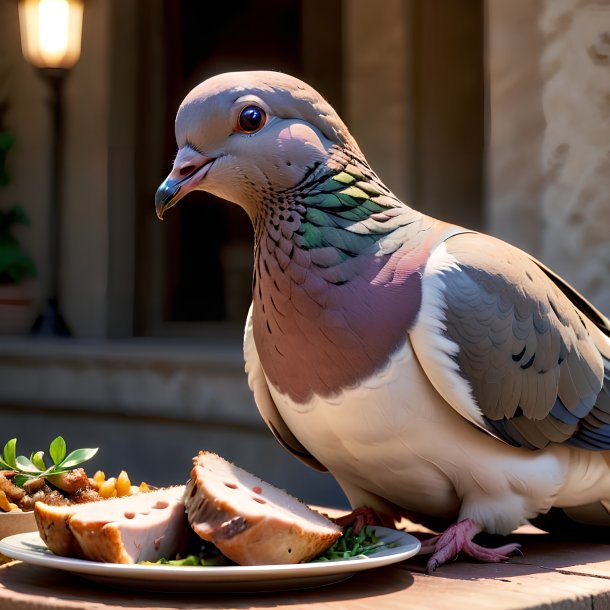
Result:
<point x="17" y="269"/>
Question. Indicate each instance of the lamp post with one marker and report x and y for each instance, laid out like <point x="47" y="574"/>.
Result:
<point x="51" y="41"/>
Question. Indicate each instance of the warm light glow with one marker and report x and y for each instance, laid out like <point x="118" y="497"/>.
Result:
<point x="51" y="32"/>
<point x="53" y="28"/>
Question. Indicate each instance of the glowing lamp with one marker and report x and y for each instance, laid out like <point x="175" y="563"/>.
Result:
<point x="51" y="32"/>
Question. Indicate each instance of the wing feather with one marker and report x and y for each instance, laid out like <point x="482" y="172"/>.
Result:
<point x="534" y="354"/>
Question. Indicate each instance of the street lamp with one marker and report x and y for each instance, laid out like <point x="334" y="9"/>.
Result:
<point x="50" y="41"/>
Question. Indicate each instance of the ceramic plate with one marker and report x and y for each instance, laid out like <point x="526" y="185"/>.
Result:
<point x="28" y="547"/>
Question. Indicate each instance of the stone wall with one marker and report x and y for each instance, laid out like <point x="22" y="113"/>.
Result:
<point x="514" y="181"/>
<point x="376" y="91"/>
<point x="149" y="405"/>
<point x="548" y="156"/>
<point x="575" y="69"/>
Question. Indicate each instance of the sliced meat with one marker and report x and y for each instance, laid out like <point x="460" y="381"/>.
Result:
<point x="142" y="527"/>
<point x="52" y="521"/>
<point x="249" y="520"/>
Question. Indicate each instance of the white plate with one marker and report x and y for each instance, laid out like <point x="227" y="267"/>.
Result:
<point x="29" y="548"/>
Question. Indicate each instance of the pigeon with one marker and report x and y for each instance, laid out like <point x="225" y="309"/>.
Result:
<point x="436" y="372"/>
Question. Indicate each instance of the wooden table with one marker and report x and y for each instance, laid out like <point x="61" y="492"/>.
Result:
<point x="553" y="573"/>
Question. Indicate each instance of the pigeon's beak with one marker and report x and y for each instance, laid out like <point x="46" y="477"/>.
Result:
<point x="190" y="168"/>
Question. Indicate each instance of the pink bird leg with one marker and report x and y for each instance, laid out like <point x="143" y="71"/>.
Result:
<point x="458" y="538"/>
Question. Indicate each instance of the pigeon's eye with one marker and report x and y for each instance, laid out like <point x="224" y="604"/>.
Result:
<point x="251" y="119"/>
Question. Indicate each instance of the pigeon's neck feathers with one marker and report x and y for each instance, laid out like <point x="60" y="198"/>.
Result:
<point x="340" y="203"/>
<point x="330" y="253"/>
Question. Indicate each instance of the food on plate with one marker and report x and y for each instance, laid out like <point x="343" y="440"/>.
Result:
<point x="234" y="516"/>
<point x="27" y="480"/>
<point x="251" y="521"/>
<point x="116" y="487"/>
<point x="141" y="527"/>
<point x="24" y="481"/>
<point x="224" y="515"/>
<point x="348" y="546"/>
<point x="352" y="545"/>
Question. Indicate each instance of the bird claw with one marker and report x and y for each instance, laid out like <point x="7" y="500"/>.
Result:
<point x="458" y="538"/>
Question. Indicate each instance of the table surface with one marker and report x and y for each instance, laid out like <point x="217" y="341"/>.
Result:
<point x="553" y="573"/>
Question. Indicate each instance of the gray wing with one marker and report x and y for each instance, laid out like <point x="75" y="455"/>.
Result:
<point x="535" y="353"/>
<point x="266" y="405"/>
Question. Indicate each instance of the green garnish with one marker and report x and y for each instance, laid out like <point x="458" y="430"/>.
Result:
<point x="35" y="466"/>
<point x="191" y="560"/>
<point x="201" y="553"/>
<point x="351" y="546"/>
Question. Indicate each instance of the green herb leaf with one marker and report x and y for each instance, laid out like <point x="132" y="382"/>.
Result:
<point x="216" y="559"/>
<point x="26" y="465"/>
<point x="35" y="466"/>
<point x="57" y="450"/>
<point x="21" y="479"/>
<point x="353" y="546"/>
<point x="189" y="560"/>
<point x="77" y="457"/>
<point x="38" y="460"/>
<point x="8" y="455"/>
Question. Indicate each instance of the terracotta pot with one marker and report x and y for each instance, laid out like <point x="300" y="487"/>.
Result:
<point x="17" y="311"/>
<point x="15" y="523"/>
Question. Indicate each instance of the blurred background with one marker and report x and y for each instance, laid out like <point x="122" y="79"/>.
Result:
<point x="488" y="113"/>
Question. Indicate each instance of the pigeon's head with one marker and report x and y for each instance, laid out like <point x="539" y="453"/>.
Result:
<point x="245" y="135"/>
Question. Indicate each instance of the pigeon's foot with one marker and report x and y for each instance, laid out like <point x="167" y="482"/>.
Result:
<point x="458" y="538"/>
<point x="362" y="516"/>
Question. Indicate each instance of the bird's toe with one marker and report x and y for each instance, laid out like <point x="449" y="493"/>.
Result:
<point x="458" y="538"/>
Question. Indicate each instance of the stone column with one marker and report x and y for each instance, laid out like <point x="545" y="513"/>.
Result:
<point x="376" y="86"/>
<point x="575" y="69"/>
<point x="548" y="153"/>
<point x="515" y="128"/>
